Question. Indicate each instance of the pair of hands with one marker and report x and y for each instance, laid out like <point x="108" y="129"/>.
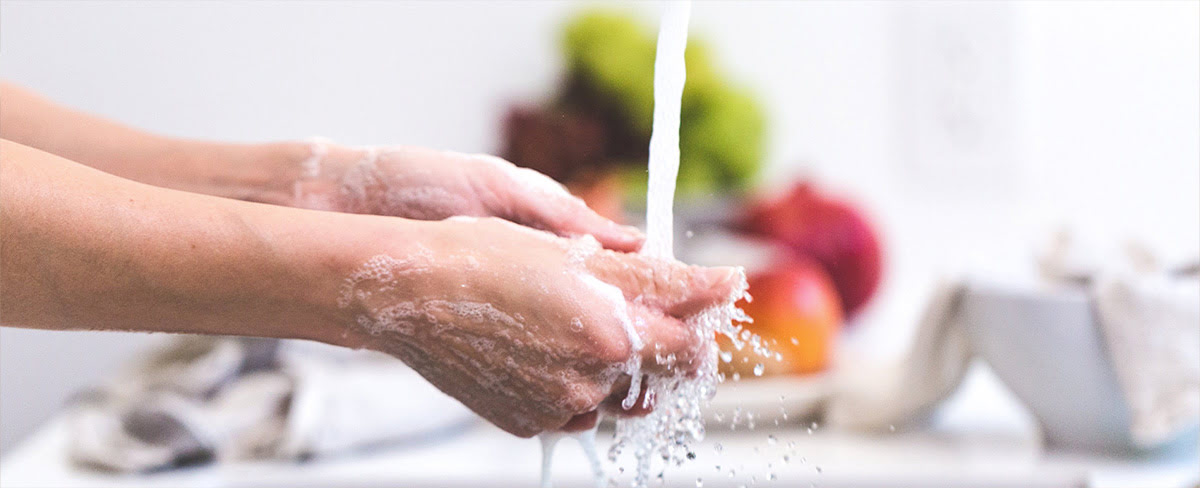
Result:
<point x="516" y="303"/>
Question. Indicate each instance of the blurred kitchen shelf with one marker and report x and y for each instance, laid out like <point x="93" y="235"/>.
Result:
<point x="958" y="453"/>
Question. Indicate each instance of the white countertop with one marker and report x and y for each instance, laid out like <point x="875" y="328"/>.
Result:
<point x="980" y="439"/>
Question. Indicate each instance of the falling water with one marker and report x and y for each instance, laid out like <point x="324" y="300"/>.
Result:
<point x="666" y="435"/>
<point x="669" y="75"/>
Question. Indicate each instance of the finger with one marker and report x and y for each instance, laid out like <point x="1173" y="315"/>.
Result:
<point x="571" y="217"/>
<point x="669" y="345"/>
<point x="537" y="201"/>
<point x="582" y="422"/>
<point x="674" y="288"/>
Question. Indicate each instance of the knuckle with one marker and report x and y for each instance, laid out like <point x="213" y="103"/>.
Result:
<point x="612" y="348"/>
<point x="581" y="398"/>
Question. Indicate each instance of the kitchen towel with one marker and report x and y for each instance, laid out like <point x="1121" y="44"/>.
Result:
<point x="205" y="398"/>
<point x="884" y="396"/>
<point x="1146" y="311"/>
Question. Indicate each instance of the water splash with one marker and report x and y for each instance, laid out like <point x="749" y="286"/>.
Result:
<point x="665" y="436"/>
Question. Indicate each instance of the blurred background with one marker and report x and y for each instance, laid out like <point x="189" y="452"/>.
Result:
<point x="939" y="141"/>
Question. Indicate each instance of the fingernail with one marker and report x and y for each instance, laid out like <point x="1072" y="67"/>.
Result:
<point x="720" y="276"/>
<point x="632" y="234"/>
<point x="631" y="230"/>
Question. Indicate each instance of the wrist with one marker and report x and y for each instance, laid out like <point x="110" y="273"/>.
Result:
<point x="264" y="173"/>
<point x="324" y="253"/>
<point x="322" y="181"/>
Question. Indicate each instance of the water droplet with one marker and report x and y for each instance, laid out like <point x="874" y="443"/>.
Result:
<point x="718" y="447"/>
<point x="809" y="430"/>
<point x="772" y="477"/>
<point x="691" y="455"/>
<point x="726" y="356"/>
<point x="795" y="342"/>
<point x="736" y="376"/>
<point x="690" y="234"/>
<point x="699" y="482"/>
<point x="818" y="469"/>
<point x="771" y="439"/>
<point x="814" y="425"/>
<point x="892" y="428"/>
<point x="787" y="459"/>
<point x="758" y="369"/>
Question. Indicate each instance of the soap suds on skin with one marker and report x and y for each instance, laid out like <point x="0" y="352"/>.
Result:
<point x="676" y="423"/>
<point x="661" y="438"/>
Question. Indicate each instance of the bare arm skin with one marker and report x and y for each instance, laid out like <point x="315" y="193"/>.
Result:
<point x="83" y="249"/>
<point x="414" y="183"/>
<point x="521" y="326"/>
<point x="254" y="172"/>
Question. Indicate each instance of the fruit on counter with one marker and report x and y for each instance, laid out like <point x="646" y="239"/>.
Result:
<point x="797" y="313"/>
<point x="602" y="193"/>
<point x="829" y="230"/>
<point x="558" y="144"/>
<point x="610" y="75"/>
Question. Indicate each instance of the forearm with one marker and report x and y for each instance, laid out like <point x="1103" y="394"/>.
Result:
<point x="83" y="249"/>
<point x="256" y="172"/>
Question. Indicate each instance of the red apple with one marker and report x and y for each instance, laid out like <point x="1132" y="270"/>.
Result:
<point x="797" y="313"/>
<point x="828" y="230"/>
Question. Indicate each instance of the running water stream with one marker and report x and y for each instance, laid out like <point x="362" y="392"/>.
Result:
<point x="670" y="72"/>
<point x="676" y="422"/>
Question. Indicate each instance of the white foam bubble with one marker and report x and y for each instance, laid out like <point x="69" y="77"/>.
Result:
<point x="383" y="271"/>
<point x="633" y="365"/>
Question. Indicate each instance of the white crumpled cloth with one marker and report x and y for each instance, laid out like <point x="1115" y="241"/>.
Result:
<point x="206" y="398"/>
<point x="1149" y="315"/>
<point x="886" y="396"/>
<point x="1152" y="328"/>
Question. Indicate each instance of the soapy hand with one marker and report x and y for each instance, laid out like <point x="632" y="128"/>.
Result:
<point x="426" y="184"/>
<point x="530" y="330"/>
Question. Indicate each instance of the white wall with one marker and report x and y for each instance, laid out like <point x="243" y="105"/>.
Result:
<point x="1104" y="116"/>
